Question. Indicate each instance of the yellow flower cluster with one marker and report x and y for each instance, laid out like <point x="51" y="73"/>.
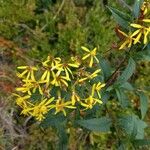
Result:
<point x="141" y="29"/>
<point x="43" y="87"/>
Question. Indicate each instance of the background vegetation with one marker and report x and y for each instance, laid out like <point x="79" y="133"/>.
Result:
<point x="29" y="31"/>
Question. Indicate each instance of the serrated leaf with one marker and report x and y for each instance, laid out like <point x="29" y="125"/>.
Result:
<point x="122" y="97"/>
<point x="136" y="7"/>
<point x="143" y="104"/>
<point x="121" y="18"/>
<point x="132" y="124"/>
<point x="127" y="73"/>
<point x="96" y="124"/>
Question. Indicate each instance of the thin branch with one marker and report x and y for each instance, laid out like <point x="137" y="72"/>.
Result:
<point x="59" y="10"/>
<point x="113" y="77"/>
<point x="57" y="13"/>
<point x="26" y="27"/>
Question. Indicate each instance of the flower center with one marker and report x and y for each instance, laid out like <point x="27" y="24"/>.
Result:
<point x="93" y="53"/>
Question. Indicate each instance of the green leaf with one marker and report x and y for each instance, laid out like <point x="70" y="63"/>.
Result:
<point x="63" y="138"/>
<point x="106" y="69"/>
<point x="143" y="104"/>
<point x="143" y="55"/>
<point x="96" y="124"/>
<point x="142" y="142"/>
<point x="133" y="126"/>
<point x="127" y="86"/>
<point x="53" y="120"/>
<point x="136" y="8"/>
<point x="121" y="18"/>
<point x="58" y="122"/>
<point x="123" y="15"/>
<point x="122" y="146"/>
<point x="105" y="96"/>
<point x="127" y="73"/>
<point x="123" y="99"/>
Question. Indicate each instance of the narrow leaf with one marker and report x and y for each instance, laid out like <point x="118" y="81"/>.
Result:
<point x="127" y="86"/>
<point x="121" y="18"/>
<point x="143" y="104"/>
<point x="106" y="69"/>
<point x="127" y="73"/>
<point x="122" y="97"/>
<point x="136" y="8"/>
<point x="63" y="138"/>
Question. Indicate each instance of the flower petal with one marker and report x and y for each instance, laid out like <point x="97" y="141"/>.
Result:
<point x="135" y="25"/>
<point x="85" y="49"/>
<point x="146" y="20"/>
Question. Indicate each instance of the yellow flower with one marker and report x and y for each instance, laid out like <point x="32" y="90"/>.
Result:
<point x="91" y="101"/>
<point x="27" y="110"/>
<point x="35" y="85"/>
<point x="50" y="65"/>
<point x="21" y="100"/>
<point x="146" y="20"/>
<point x="59" y="80"/>
<point x="94" y="74"/>
<point x="56" y="61"/>
<point x="51" y="61"/>
<point x="145" y="7"/>
<point x="91" y="54"/>
<point x="98" y="87"/>
<point x="31" y="85"/>
<point x="67" y="70"/>
<point x="141" y="30"/>
<point x="24" y="89"/>
<point x="46" y="77"/>
<point x="76" y="61"/>
<point x="90" y="76"/>
<point x="74" y="64"/>
<point x="57" y="66"/>
<point x="27" y="73"/>
<point x="61" y="105"/>
<point x="74" y="97"/>
<point x="39" y="110"/>
<point x="127" y="41"/>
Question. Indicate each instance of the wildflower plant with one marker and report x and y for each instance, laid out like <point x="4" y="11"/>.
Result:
<point x="87" y="91"/>
<point x="60" y="76"/>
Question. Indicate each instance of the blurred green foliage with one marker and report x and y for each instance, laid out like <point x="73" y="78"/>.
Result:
<point x="60" y="27"/>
